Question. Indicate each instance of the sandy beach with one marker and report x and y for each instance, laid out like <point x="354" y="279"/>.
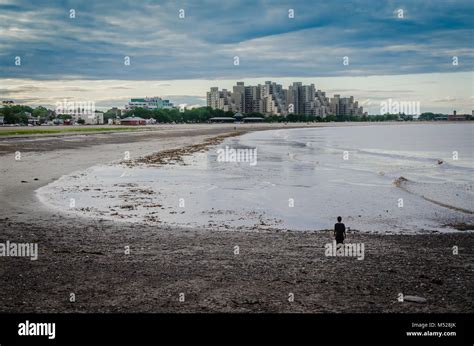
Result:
<point x="87" y="256"/>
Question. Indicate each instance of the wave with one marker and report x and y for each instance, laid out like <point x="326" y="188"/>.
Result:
<point x="419" y="189"/>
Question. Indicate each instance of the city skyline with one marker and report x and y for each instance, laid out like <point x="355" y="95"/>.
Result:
<point x="416" y="52"/>
<point x="113" y="93"/>
<point x="272" y="98"/>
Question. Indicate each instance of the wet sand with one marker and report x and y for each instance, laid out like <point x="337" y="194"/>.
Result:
<point x="87" y="257"/>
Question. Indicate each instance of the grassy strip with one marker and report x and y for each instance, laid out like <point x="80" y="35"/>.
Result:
<point x="46" y="131"/>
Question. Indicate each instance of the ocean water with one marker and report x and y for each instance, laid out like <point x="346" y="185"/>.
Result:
<point x="300" y="179"/>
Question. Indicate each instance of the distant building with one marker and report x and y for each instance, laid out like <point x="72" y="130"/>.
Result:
<point x="238" y="117"/>
<point x="305" y="99"/>
<point x="31" y="119"/>
<point x="133" y="121"/>
<point x="113" y="121"/>
<point x="80" y="111"/>
<point x="272" y="99"/>
<point x="222" y="120"/>
<point x="96" y="118"/>
<point x="345" y="106"/>
<point x="149" y="103"/>
<point x="219" y="99"/>
<point x="456" y="117"/>
<point x="99" y="118"/>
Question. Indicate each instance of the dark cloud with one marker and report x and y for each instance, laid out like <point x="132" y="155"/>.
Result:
<point x="161" y="46"/>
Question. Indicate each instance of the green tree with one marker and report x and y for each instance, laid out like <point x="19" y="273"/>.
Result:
<point x="41" y="112"/>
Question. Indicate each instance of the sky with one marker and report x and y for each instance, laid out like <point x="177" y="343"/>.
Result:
<point x="78" y="50"/>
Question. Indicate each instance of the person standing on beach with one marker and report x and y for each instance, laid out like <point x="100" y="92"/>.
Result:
<point x="339" y="231"/>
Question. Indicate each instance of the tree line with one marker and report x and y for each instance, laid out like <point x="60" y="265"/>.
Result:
<point x="18" y="114"/>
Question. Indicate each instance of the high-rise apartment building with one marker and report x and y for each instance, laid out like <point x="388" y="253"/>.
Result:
<point x="220" y="99"/>
<point x="238" y="97"/>
<point x="345" y="106"/>
<point x="271" y="99"/>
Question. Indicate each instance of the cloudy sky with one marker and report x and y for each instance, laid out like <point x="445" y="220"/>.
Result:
<point x="396" y="49"/>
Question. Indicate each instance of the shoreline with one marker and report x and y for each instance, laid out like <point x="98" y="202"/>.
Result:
<point x="86" y="256"/>
<point x="136" y="201"/>
<point x="45" y="158"/>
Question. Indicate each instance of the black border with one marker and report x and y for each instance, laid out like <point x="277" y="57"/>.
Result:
<point x="220" y="329"/>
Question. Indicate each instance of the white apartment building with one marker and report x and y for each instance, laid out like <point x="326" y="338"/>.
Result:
<point x="95" y="118"/>
<point x="149" y="103"/>
<point x="220" y="99"/>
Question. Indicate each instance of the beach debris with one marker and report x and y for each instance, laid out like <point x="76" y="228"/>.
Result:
<point x="173" y="156"/>
<point x="414" y="299"/>
<point x="399" y="181"/>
